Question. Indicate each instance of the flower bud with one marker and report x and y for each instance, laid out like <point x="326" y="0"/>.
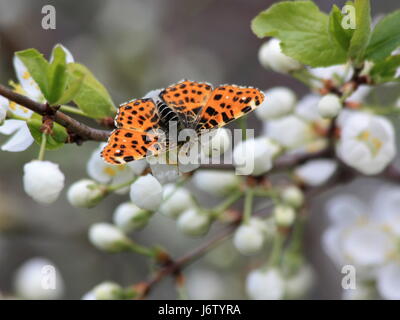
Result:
<point x="279" y="102"/>
<point x="43" y="181"/>
<point x="193" y="223"/>
<point x="108" y="291"/>
<point x="265" y="284"/>
<point x="128" y="217"/>
<point x="292" y="196"/>
<point x="284" y="215"/>
<point x="254" y="156"/>
<point x="85" y="193"/>
<point x="329" y="106"/>
<point x="248" y="239"/>
<point x="176" y="200"/>
<point x="30" y="281"/>
<point x="146" y="193"/>
<point x="271" y="56"/>
<point x="216" y="143"/>
<point x="216" y="182"/>
<point x="106" y="236"/>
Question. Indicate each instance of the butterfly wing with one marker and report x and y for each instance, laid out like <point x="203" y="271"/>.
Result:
<point x="139" y="114"/>
<point x="187" y="99"/>
<point x="125" y="145"/>
<point x="138" y="133"/>
<point x="227" y="103"/>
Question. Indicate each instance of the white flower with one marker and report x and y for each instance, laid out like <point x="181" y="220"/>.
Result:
<point x="316" y="172"/>
<point x="216" y="182"/>
<point x="176" y="200"/>
<point x="388" y="281"/>
<point x="367" y="142"/>
<point x="146" y="193"/>
<point x="108" y="237"/>
<point x="299" y="284"/>
<point x="216" y="142"/>
<point x="3" y="109"/>
<point x="248" y="239"/>
<point x="193" y="223"/>
<point x="360" y="94"/>
<point x="107" y="173"/>
<point x="22" y="137"/>
<point x="279" y="102"/>
<point x="38" y="279"/>
<point x="385" y="208"/>
<point x="165" y="173"/>
<point x="293" y="196"/>
<point x="358" y="236"/>
<point x="337" y="74"/>
<point x="290" y="131"/>
<point x="107" y="291"/>
<point x="43" y="180"/>
<point x="129" y="217"/>
<point x="165" y="169"/>
<point x="329" y="106"/>
<point x="255" y="156"/>
<point x="265" y="284"/>
<point x="284" y="215"/>
<point x="271" y="56"/>
<point x="204" y="284"/>
<point x="85" y="193"/>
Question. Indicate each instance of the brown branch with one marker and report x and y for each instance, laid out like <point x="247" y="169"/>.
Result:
<point x="83" y="131"/>
<point x="174" y="266"/>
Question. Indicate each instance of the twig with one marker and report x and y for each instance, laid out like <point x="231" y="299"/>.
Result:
<point x="83" y="131"/>
<point x="175" y="266"/>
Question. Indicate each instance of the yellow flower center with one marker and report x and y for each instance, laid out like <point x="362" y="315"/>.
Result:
<point x="373" y="143"/>
<point x="26" y="75"/>
<point x="110" y="171"/>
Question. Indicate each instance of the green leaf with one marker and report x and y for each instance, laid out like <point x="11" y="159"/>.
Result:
<point x="385" y="37"/>
<point x="54" y="141"/>
<point x="92" y="98"/>
<point x="57" y="75"/>
<point x="338" y="33"/>
<point x="362" y="32"/>
<point x="74" y="84"/>
<point x="385" y="71"/>
<point x="303" y="30"/>
<point x="37" y="66"/>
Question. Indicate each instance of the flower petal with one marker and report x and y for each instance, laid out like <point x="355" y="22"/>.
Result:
<point x="20" y="141"/>
<point x="11" y="126"/>
<point x="25" y="79"/>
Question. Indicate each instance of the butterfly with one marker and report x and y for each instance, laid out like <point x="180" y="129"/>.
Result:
<point x="187" y="104"/>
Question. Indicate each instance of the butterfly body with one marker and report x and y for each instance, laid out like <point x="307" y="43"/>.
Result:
<point x="185" y="105"/>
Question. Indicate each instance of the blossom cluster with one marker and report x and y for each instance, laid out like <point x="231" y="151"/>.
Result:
<point x="333" y="126"/>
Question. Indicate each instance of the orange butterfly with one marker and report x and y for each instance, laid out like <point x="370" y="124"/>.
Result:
<point x="188" y="104"/>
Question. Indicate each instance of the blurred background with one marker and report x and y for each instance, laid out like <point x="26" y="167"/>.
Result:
<point x="133" y="47"/>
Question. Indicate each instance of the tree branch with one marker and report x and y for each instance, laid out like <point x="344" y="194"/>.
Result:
<point x="83" y="131"/>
